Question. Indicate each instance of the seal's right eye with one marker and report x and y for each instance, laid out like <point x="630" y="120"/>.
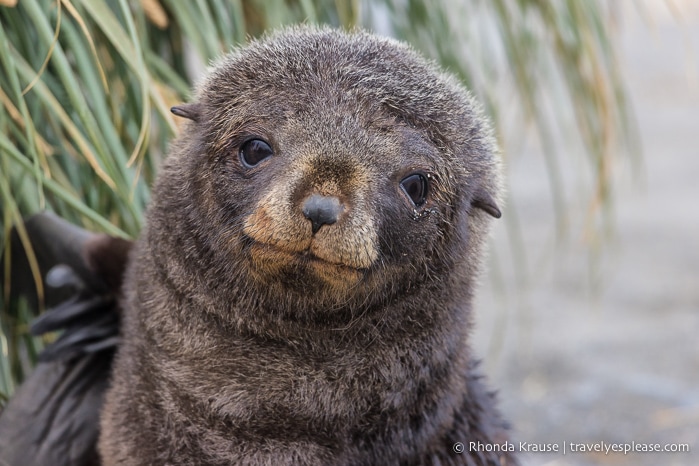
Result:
<point x="415" y="187"/>
<point x="254" y="151"/>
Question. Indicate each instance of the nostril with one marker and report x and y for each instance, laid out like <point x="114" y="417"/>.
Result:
<point x="322" y="210"/>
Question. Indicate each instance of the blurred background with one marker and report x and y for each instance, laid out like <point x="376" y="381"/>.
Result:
<point x="601" y="344"/>
<point x="587" y="314"/>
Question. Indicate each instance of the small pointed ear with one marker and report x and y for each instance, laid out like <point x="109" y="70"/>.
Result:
<point x="484" y="201"/>
<point x="188" y="111"/>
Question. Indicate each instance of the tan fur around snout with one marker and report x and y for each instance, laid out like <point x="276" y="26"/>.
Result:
<point x="282" y="234"/>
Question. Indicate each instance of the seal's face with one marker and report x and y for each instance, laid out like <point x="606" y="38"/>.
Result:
<point x="336" y="166"/>
<point x="321" y="211"/>
<point x="322" y="193"/>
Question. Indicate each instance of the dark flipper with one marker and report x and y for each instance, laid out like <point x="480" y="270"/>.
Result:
<point x="53" y="417"/>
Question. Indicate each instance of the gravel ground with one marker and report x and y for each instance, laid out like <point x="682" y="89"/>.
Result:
<point x="608" y="352"/>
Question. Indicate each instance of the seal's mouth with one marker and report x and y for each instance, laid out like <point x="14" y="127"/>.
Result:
<point x="273" y="263"/>
<point x="283" y="256"/>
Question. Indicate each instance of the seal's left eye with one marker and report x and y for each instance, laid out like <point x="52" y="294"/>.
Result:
<point x="254" y="151"/>
<point x="415" y="187"/>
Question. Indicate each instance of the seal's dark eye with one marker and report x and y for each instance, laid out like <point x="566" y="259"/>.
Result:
<point x="254" y="151"/>
<point x="415" y="186"/>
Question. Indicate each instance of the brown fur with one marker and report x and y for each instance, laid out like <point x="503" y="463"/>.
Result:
<point x="106" y="257"/>
<point x="249" y="340"/>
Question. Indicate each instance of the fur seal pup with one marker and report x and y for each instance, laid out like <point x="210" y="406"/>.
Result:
<point x="301" y="291"/>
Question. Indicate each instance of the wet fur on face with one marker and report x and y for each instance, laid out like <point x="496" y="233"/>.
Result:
<point x="251" y="338"/>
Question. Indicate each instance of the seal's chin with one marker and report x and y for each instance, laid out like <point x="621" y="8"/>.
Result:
<point x="273" y="261"/>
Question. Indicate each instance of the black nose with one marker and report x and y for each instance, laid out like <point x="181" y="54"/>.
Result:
<point x="322" y="210"/>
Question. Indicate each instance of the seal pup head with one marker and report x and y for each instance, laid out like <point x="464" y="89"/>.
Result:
<point x="324" y="169"/>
